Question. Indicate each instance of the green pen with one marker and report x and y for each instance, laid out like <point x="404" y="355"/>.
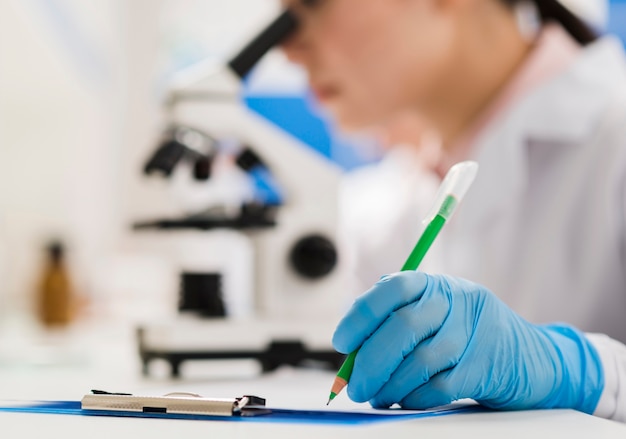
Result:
<point x="451" y="192"/>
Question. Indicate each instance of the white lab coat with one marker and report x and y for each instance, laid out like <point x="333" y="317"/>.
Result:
<point x="544" y="226"/>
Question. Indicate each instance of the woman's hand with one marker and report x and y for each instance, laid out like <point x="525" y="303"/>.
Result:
<point x="426" y="341"/>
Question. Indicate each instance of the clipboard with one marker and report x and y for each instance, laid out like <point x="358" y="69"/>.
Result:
<point x="256" y="413"/>
<point x="173" y="404"/>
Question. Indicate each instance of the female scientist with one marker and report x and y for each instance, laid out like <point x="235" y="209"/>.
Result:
<point x="527" y="90"/>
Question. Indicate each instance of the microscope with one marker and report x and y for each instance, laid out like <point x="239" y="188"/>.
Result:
<point x="298" y="278"/>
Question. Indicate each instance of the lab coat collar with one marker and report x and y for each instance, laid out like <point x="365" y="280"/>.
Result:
<point x="565" y="110"/>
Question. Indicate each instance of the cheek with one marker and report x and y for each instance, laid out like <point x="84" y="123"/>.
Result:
<point x="380" y="60"/>
<point x="430" y="59"/>
<point x="354" y="58"/>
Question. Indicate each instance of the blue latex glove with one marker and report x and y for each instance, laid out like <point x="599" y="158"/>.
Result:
<point x="426" y="341"/>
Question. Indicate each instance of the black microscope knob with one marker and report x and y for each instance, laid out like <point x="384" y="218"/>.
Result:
<point x="202" y="168"/>
<point x="314" y="257"/>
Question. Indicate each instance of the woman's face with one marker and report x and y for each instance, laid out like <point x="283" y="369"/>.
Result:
<point x="369" y="59"/>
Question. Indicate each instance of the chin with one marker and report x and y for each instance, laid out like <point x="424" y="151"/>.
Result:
<point x="353" y="120"/>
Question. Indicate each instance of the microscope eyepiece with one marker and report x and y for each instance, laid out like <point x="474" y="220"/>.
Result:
<point x="274" y="34"/>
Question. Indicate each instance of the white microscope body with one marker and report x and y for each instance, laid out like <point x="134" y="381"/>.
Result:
<point x="288" y="306"/>
<point x="210" y="100"/>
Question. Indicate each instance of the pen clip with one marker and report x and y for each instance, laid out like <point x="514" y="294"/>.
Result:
<point x="102" y="392"/>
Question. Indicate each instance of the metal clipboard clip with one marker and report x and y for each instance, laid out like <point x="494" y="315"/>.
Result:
<point x="174" y="404"/>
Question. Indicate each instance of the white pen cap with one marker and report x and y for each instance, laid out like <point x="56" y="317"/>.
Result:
<point x="453" y="189"/>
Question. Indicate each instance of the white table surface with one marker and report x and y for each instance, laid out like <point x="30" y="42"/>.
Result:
<point x="555" y="424"/>
<point x="67" y="367"/>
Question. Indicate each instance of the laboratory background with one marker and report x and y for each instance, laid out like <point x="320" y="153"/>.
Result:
<point x="82" y="93"/>
<point x="102" y="199"/>
<point x="81" y="105"/>
<point x="83" y="114"/>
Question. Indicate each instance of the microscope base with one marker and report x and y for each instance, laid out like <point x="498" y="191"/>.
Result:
<point x="268" y="343"/>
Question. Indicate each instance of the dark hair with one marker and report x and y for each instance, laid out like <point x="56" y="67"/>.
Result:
<point x="555" y="11"/>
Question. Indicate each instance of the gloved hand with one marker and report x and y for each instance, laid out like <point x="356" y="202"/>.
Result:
<point x="426" y="341"/>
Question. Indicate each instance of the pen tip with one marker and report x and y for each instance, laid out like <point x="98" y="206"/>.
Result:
<point x="328" y="403"/>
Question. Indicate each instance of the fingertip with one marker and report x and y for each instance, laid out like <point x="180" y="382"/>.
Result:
<point x="356" y="394"/>
<point x="354" y="328"/>
<point x="349" y="334"/>
<point x="437" y="392"/>
<point x="413" y="403"/>
<point x="379" y="404"/>
<point x="340" y="341"/>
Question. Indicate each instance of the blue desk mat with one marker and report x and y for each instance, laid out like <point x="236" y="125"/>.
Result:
<point x="73" y="408"/>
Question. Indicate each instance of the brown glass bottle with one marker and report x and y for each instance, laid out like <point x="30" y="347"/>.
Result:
<point x="55" y="298"/>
